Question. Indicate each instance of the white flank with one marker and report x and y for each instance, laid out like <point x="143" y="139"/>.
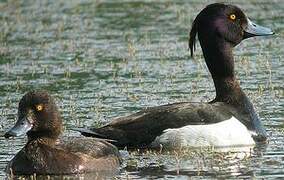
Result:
<point x="227" y="133"/>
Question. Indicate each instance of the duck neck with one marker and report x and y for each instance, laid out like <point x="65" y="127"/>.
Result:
<point x="220" y="62"/>
<point x="43" y="137"/>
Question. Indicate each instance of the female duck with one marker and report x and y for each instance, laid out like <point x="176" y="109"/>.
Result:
<point x="38" y="116"/>
<point x="228" y="120"/>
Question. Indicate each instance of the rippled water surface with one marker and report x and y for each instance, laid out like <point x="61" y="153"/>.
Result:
<point x="107" y="58"/>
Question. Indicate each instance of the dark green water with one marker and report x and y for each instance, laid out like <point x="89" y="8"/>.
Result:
<point x="106" y="58"/>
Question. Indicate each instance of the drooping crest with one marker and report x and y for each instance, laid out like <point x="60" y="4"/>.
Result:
<point x="192" y="37"/>
<point x="209" y="10"/>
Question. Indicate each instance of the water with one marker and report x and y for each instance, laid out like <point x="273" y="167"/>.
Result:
<point x="103" y="59"/>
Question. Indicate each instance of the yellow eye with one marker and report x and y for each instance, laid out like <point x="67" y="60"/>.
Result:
<point x="39" y="107"/>
<point x="232" y="16"/>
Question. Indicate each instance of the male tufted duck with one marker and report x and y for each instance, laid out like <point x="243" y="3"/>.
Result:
<point x="39" y="117"/>
<point x="228" y="120"/>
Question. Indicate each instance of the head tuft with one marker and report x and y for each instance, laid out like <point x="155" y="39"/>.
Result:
<point x="192" y="37"/>
<point x="209" y="10"/>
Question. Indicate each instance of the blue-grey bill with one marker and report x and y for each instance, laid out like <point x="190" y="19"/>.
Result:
<point x="21" y="127"/>
<point x="256" y="30"/>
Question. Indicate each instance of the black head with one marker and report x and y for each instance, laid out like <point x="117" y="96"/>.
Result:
<point x="38" y="116"/>
<point x="224" y="22"/>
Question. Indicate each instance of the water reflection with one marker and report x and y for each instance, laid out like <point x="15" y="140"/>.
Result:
<point x="88" y="176"/>
<point x="199" y="162"/>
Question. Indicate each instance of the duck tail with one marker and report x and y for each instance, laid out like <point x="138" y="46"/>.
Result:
<point x="88" y="132"/>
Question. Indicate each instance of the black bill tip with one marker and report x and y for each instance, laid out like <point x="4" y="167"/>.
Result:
<point x="253" y="29"/>
<point x="21" y="127"/>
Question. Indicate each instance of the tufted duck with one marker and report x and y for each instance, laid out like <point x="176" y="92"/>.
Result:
<point x="228" y="120"/>
<point x="39" y="117"/>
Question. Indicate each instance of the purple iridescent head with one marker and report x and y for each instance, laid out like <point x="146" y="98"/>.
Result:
<point x="226" y="23"/>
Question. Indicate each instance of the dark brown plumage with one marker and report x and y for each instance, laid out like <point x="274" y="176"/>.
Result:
<point x="43" y="154"/>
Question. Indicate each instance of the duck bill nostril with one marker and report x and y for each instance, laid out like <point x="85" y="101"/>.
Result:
<point x="21" y="127"/>
<point x="253" y="29"/>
